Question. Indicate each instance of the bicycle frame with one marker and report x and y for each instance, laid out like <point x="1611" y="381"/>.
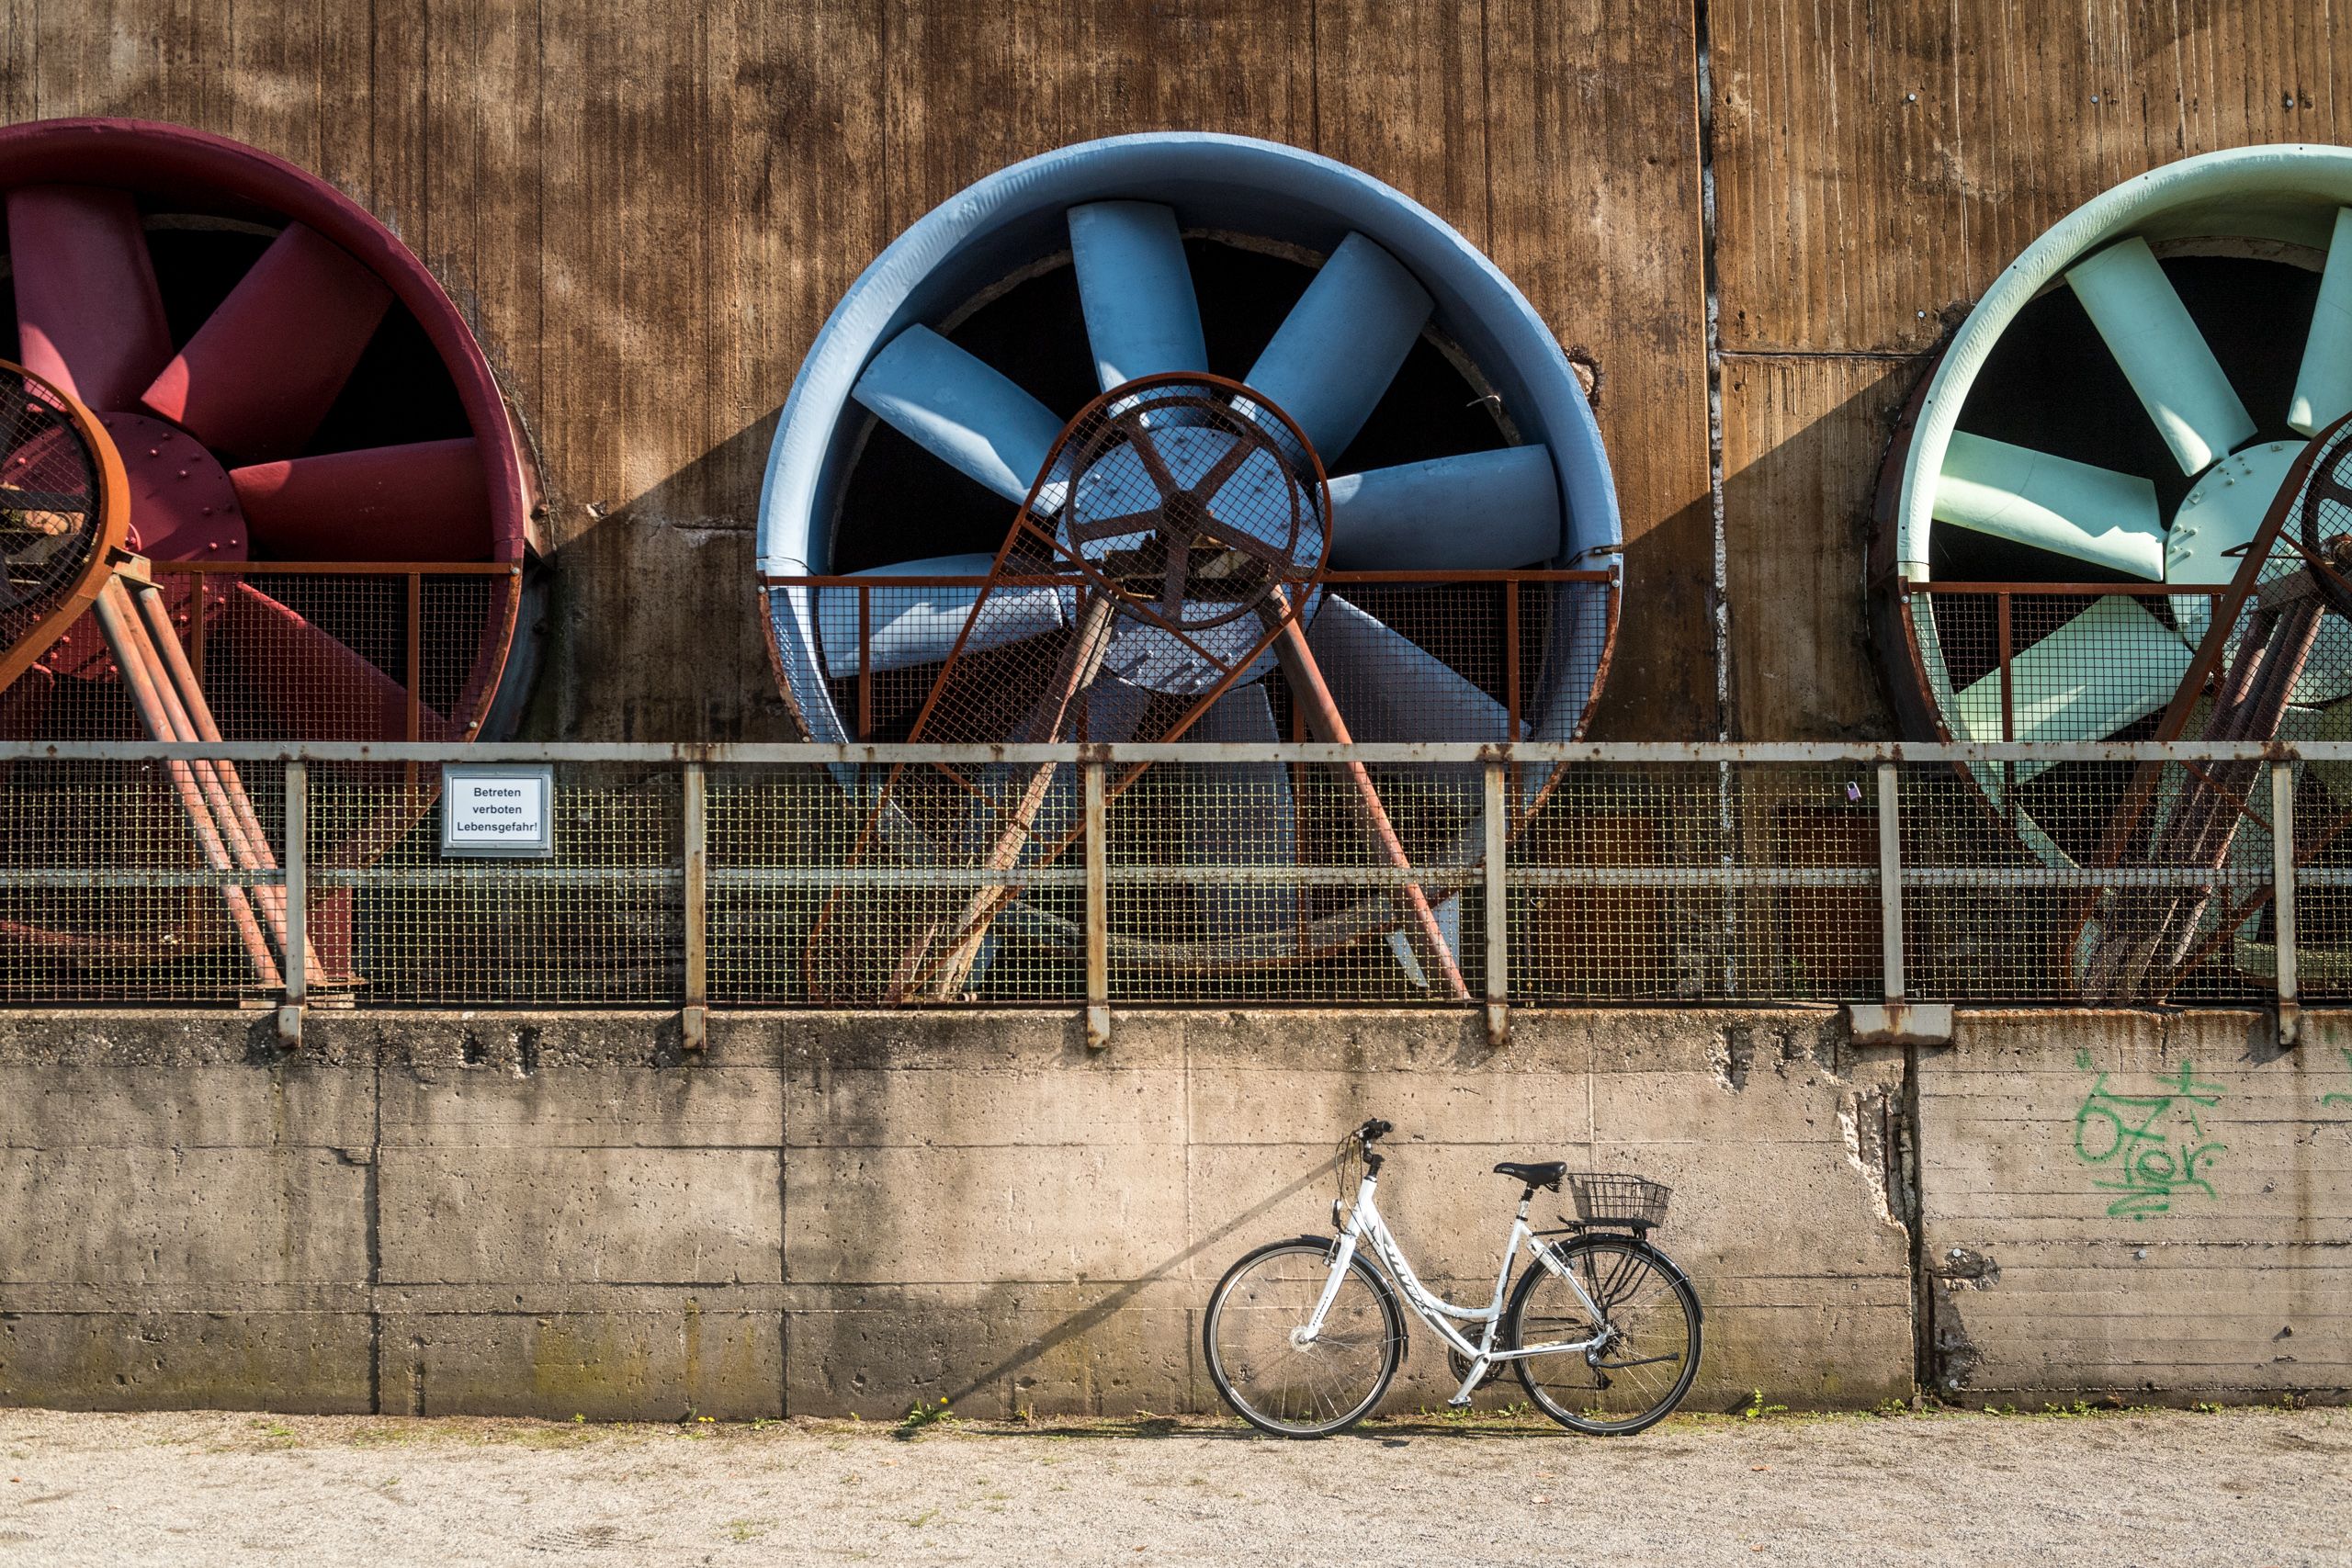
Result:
<point x="1366" y="1228"/>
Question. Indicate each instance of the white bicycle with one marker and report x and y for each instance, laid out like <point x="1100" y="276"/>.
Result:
<point x="1304" y="1335"/>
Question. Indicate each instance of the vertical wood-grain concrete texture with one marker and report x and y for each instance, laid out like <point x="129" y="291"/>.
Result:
<point x="648" y="211"/>
<point x="1875" y="167"/>
<point x="2141" y="1205"/>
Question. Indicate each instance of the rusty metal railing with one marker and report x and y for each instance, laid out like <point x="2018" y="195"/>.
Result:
<point x="1495" y="629"/>
<point x="691" y="876"/>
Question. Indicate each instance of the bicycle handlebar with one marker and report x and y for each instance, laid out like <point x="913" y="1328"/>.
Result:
<point x="1375" y="1128"/>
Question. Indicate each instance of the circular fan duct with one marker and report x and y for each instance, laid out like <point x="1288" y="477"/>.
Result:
<point x="285" y="385"/>
<point x="1457" y="438"/>
<point x="324" y="503"/>
<point x="2097" y="445"/>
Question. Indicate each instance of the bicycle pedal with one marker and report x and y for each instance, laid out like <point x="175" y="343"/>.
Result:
<point x="1458" y="1403"/>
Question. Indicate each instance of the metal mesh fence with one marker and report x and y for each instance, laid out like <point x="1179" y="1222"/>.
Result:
<point x="108" y="891"/>
<point x="856" y="885"/>
<point x="395" y="921"/>
<point x="1690" y="882"/>
<point x="1268" y="874"/>
<point x="1995" y="910"/>
<point x="1406" y="657"/>
<point x="1274" y="882"/>
<point x="289" y="652"/>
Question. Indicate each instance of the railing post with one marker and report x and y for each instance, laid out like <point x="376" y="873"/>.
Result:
<point x="1098" y="911"/>
<point x="864" y="662"/>
<point x="694" y="1021"/>
<point x="295" y="965"/>
<point x="2282" y="896"/>
<point x="1510" y="658"/>
<point x="1890" y="881"/>
<point x="1497" y="918"/>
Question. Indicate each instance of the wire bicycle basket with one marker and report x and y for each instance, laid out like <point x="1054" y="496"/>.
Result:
<point x="1618" y="1198"/>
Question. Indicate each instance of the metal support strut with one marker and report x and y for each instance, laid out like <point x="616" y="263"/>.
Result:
<point x="170" y="702"/>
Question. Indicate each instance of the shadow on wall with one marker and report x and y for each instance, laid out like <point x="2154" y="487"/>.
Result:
<point x="655" y="626"/>
<point x="1661" y="683"/>
<point x="1804" y="438"/>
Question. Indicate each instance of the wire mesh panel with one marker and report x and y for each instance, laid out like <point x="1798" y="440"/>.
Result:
<point x="775" y="836"/>
<point x="1697" y="881"/>
<point x="823" y="892"/>
<point x="346" y="655"/>
<point x="2175" y="907"/>
<point x="2323" y="880"/>
<point x="2018" y="662"/>
<point x="1233" y="882"/>
<point x="341" y="654"/>
<point x="393" y="921"/>
<point x="914" y="884"/>
<point x="115" y="885"/>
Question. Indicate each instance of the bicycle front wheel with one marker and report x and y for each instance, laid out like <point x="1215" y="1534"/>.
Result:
<point x="1266" y="1368"/>
<point x="1648" y="1332"/>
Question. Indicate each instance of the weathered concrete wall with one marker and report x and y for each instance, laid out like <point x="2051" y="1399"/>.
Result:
<point x="557" y="1214"/>
<point x="2148" y="1205"/>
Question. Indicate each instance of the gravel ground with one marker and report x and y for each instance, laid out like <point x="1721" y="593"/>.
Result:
<point x="2241" y="1487"/>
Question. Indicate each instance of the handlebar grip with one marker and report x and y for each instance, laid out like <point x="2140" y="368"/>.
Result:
<point x="1375" y="1128"/>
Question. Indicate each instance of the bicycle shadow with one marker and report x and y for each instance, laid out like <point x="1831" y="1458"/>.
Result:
<point x="1101" y="1311"/>
<point x="1392" y="1430"/>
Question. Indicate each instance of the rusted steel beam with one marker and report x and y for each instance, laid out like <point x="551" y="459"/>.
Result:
<point x="1421" y="929"/>
<point x="117" y="623"/>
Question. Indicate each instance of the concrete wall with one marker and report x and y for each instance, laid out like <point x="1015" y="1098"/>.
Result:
<point x="2157" y="1207"/>
<point x="555" y="1214"/>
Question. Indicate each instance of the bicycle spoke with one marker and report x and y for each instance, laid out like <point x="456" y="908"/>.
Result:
<point x="1647" y="1358"/>
<point x="1267" y="1373"/>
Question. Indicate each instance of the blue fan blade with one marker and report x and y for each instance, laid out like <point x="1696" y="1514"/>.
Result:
<point x="1483" y="511"/>
<point x="1141" y="315"/>
<point x="906" y="626"/>
<point x="1342" y="344"/>
<point x="960" y="411"/>
<point x="1390" y="688"/>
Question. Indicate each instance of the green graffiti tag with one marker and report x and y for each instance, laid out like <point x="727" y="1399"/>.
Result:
<point x="2151" y="1163"/>
<point x="2340" y="1098"/>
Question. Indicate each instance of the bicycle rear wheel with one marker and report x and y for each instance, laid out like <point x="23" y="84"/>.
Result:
<point x="1650" y="1331"/>
<point x="1262" y="1366"/>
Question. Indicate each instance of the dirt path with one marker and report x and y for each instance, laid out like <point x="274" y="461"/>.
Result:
<point x="2155" y="1488"/>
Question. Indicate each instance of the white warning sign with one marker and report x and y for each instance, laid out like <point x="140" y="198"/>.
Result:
<point x="498" y="811"/>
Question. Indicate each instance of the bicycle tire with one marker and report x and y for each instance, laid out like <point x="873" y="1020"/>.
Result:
<point x="1625" y="1275"/>
<point x="1372" y="1322"/>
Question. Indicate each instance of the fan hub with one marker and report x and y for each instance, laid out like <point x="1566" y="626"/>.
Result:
<point x="2221" y="515"/>
<point x="2222" y="512"/>
<point x="182" y="505"/>
<point x="1196" y="512"/>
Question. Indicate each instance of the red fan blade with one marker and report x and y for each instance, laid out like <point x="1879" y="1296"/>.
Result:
<point x="87" y="313"/>
<point x="314" y="687"/>
<point x="259" y="375"/>
<point x="429" y="502"/>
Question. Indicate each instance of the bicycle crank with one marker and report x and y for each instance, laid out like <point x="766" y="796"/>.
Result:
<point x="1461" y="1365"/>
